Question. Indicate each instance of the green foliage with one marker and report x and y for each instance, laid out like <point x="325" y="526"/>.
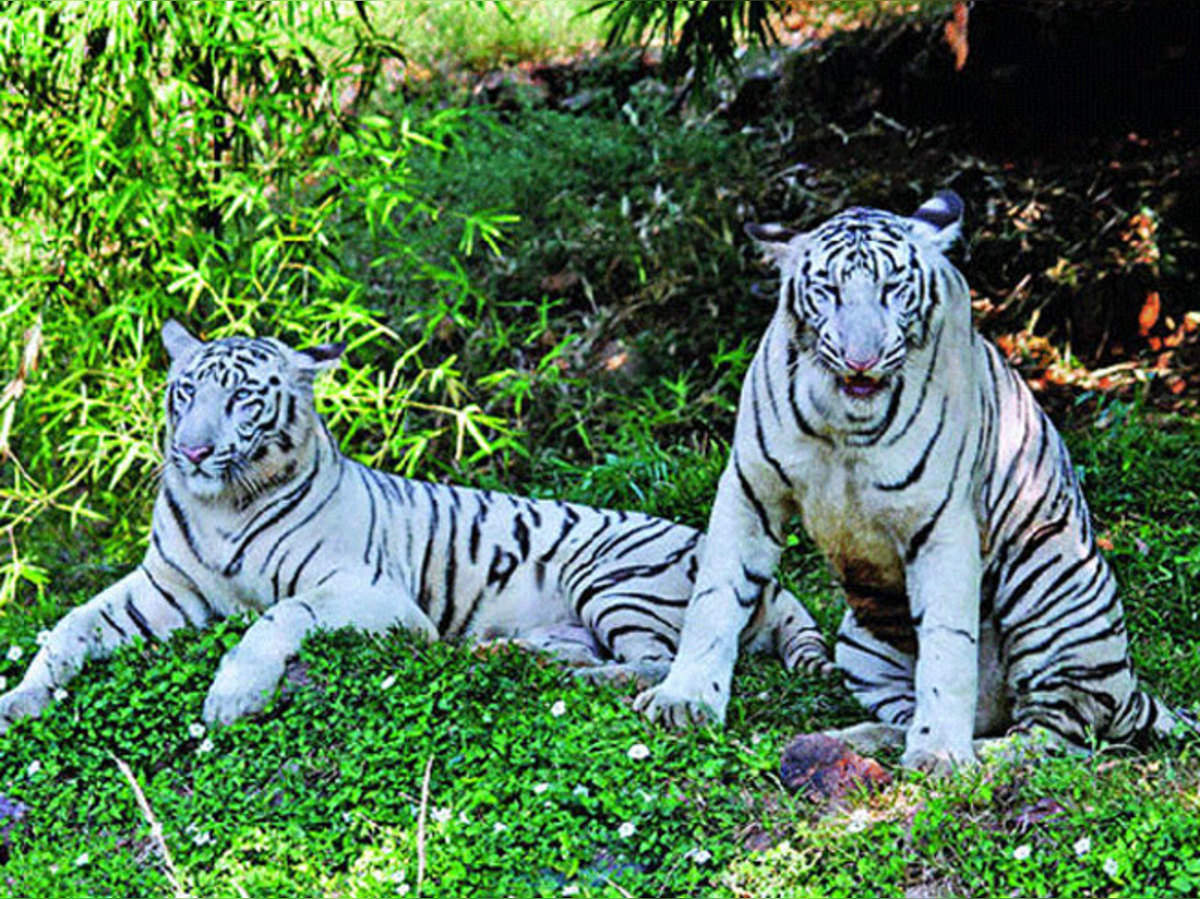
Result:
<point x="325" y="794"/>
<point x="699" y="35"/>
<point x="210" y="161"/>
<point x="483" y="34"/>
<point x="707" y="32"/>
<point x="1062" y="827"/>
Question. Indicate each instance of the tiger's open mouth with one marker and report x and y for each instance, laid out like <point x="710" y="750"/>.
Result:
<point x="861" y="386"/>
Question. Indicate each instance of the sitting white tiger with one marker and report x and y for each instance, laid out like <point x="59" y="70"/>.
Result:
<point x="258" y="510"/>
<point x="938" y="491"/>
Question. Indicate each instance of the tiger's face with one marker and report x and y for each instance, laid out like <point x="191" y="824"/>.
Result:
<point x="861" y="292"/>
<point x="239" y="411"/>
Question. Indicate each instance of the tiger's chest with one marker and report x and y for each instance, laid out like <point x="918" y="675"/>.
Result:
<point x="854" y="532"/>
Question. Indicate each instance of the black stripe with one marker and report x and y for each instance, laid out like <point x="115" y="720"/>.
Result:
<point x="933" y="357"/>
<point x="181" y="523"/>
<point x="636" y="608"/>
<point x="476" y="522"/>
<point x="317" y="509"/>
<point x="447" y="615"/>
<point x="922" y="535"/>
<point x="758" y="507"/>
<point x="424" y="588"/>
<point x="138" y="618"/>
<point x="362" y="474"/>
<point x="569" y="521"/>
<point x="111" y="623"/>
<point x="168" y="597"/>
<point x="762" y="444"/>
<point x="617" y="632"/>
<point x="793" y="352"/>
<point x="291" y="587"/>
<point x="521" y="535"/>
<point x="288" y="505"/>
<point x="917" y="470"/>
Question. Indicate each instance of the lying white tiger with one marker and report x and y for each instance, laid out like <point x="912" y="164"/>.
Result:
<point x="938" y="491"/>
<point x="258" y="510"/>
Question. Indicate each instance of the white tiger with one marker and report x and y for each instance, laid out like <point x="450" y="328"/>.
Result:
<point x="938" y="491"/>
<point x="259" y="511"/>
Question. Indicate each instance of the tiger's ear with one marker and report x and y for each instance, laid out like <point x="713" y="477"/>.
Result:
<point x="939" y="218"/>
<point x="774" y="239"/>
<point x="322" y="356"/>
<point x="179" y="343"/>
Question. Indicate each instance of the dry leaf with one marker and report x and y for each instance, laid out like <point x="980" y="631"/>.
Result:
<point x="956" y="35"/>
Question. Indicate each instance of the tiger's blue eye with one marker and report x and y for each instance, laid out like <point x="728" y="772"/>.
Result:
<point x="241" y="394"/>
<point x="185" y="390"/>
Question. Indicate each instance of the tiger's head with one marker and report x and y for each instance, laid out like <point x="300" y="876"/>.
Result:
<point x="861" y="292"/>
<point x="239" y="410"/>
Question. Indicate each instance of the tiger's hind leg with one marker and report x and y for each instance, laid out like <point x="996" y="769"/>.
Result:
<point x="636" y="657"/>
<point x="571" y="644"/>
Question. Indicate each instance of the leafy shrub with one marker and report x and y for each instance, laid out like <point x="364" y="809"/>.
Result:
<point x="702" y="34"/>
<point x="210" y="161"/>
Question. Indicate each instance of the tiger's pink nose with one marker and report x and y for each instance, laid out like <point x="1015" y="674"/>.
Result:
<point x="861" y="364"/>
<point x="196" y="454"/>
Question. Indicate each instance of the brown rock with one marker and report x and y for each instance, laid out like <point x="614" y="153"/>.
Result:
<point x="824" y="768"/>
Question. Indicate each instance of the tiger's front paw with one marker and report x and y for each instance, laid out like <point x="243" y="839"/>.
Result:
<point x="939" y="762"/>
<point x="20" y="703"/>
<point x="239" y="690"/>
<point x="679" y="704"/>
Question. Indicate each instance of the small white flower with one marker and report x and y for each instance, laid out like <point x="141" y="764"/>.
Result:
<point x="639" y="751"/>
<point x="539" y="789"/>
<point x="34" y="767"/>
<point x="205" y="746"/>
<point x="82" y="859"/>
<point x="60" y="694"/>
<point x="698" y="856"/>
<point x="580" y="790"/>
<point x="1110" y="867"/>
<point x="195" y="730"/>
<point x="42" y="637"/>
<point x="1083" y="846"/>
<point x="402" y="889"/>
<point x="203" y="838"/>
<point x="858" y="820"/>
<point x="626" y="830"/>
<point x="571" y="889"/>
<point x="1022" y="852"/>
<point x="464" y="818"/>
<point x="441" y="815"/>
<point x="388" y="682"/>
<point x="558" y="709"/>
<point x="3" y="682"/>
<point x="499" y="827"/>
<point x="14" y="653"/>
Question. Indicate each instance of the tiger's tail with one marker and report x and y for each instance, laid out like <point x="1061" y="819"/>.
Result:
<point x="798" y="640"/>
<point x="1147" y="719"/>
